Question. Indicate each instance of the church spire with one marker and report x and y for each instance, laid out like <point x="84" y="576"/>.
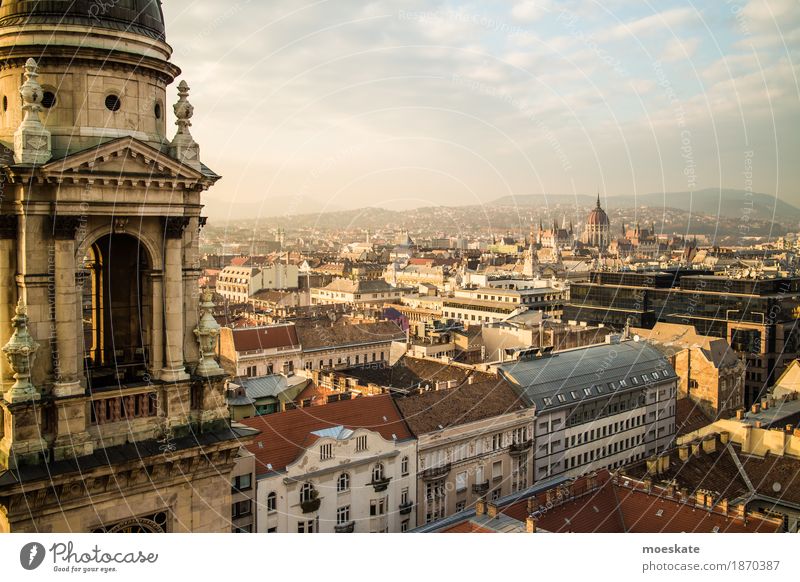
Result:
<point x="598" y="198"/>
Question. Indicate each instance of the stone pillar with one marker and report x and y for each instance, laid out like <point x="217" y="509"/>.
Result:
<point x="157" y="344"/>
<point x="67" y="374"/>
<point x="8" y="290"/>
<point x="174" y="367"/>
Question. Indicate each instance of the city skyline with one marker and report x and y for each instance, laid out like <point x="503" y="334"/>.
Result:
<point x="339" y="106"/>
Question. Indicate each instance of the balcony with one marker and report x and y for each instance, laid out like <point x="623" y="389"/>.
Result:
<point x="348" y="527"/>
<point x="520" y="448"/>
<point x="310" y="505"/>
<point x="481" y="488"/>
<point x="436" y="472"/>
<point x="380" y="484"/>
<point x="405" y="508"/>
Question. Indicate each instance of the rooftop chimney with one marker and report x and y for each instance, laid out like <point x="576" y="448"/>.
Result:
<point x="530" y="524"/>
<point x="480" y="506"/>
<point x="491" y="510"/>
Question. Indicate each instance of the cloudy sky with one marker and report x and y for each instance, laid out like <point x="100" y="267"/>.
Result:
<point x="345" y="104"/>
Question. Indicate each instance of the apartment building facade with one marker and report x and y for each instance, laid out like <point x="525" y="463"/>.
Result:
<point x="349" y="466"/>
<point x="597" y="407"/>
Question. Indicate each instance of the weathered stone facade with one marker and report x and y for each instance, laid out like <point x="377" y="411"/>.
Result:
<point x="99" y="235"/>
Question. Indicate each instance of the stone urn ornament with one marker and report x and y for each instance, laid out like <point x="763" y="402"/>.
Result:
<point x="21" y="352"/>
<point x="207" y="332"/>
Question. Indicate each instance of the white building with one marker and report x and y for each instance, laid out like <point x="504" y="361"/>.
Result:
<point x="238" y="283"/>
<point x="328" y="473"/>
<point x="493" y="304"/>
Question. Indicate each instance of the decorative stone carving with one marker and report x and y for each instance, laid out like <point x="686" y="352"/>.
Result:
<point x="8" y="226"/>
<point x="65" y="227"/>
<point x="174" y="226"/>
<point x="32" y="143"/>
<point x="207" y="332"/>
<point x="184" y="148"/>
<point x="21" y="351"/>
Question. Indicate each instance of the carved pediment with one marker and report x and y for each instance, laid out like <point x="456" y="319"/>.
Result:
<point x="121" y="160"/>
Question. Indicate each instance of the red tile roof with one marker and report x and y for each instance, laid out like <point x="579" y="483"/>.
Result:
<point x="284" y="435"/>
<point x="263" y="338"/>
<point x="625" y="506"/>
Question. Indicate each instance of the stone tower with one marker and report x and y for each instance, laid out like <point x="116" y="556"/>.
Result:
<point x="99" y="264"/>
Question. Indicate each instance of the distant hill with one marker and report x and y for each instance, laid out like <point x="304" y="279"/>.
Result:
<point x="726" y="203"/>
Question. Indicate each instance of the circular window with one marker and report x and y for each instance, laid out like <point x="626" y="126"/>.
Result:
<point x="157" y="110"/>
<point x="113" y="103"/>
<point x="48" y="100"/>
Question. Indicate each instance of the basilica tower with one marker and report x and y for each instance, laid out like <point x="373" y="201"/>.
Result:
<point x="109" y="387"/>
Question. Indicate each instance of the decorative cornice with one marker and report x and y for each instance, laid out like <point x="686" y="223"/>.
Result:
<point x="65" y="227"/>
<point x="174" y="226"/>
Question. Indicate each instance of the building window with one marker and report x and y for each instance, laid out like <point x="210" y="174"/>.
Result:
<point x="404" y="496"/>
<point x="307" y="492"/>
<point x="305" y="526"/>
<point x="404" y="526"/>
<point x="497" y="470"/>
<point x="343" y="484"/>
<point x="460" y="506"/>
<point x="404" y="466"/>
<point x="343" y="515"/>
<point x="243" y="482"/>
<point x="325" y="452"/>
<point x="361" y="443"/>
<point x="272" y="501"/>
<point x="241" y="508"/>
<point x="461" y="481"/>
<point x="496" y="494"/>
<point x="377" y="507"/>
<point x="377" y="472"/>
<point x="497" y="441"/>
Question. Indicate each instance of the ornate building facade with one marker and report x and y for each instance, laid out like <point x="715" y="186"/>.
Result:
<point x="112" y="413"/>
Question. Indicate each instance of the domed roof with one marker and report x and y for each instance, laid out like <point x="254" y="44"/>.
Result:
<point x="598" y="216"/>
<point x="137" y="16"/>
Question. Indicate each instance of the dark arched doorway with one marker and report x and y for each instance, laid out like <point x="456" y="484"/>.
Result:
<point x="117" y="311"/>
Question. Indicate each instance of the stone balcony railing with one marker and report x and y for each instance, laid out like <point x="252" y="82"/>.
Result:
<point x="405" y="508"/>
<point x="436" y="472"/>
<point x="481" y="488"/>
<point x="520" y="448"/>
<point x="348" y="527"/>
<point x="380" y="484"/>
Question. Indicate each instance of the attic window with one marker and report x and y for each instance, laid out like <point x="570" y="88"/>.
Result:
<point x="113" y="103"/>
<point x="48" y="100"/>
<point x="562" y="398"/>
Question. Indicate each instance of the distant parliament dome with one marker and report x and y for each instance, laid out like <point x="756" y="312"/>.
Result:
<point x="136" y="16"/>
<point x="598" y="216"/>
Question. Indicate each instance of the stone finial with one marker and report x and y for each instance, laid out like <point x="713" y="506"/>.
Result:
<point x="207" y="332"/>
<point x="21" y="351"/>
<point x="32" y="143"/>
<point x="184" y="148"/>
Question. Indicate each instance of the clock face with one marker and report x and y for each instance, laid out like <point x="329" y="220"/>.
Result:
<point x="151" y="524"/>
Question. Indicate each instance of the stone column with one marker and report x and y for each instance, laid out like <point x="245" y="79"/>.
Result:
<point x="157" y="344"/>
<point x="66" y="373"/>
<point x="174" y="367"/>
<point x="8" y="289"/>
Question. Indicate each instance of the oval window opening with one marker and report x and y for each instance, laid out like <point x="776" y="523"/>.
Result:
<point x="48" y="100"/>
<point x="113" y="103"/>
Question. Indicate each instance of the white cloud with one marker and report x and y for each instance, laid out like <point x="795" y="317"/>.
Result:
<point x="649" y="25"/>
<point x="531" y="10"/>
<point x="680" y="48"/>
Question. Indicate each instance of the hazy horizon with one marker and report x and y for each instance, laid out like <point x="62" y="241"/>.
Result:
<point x="410" y="104"/>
